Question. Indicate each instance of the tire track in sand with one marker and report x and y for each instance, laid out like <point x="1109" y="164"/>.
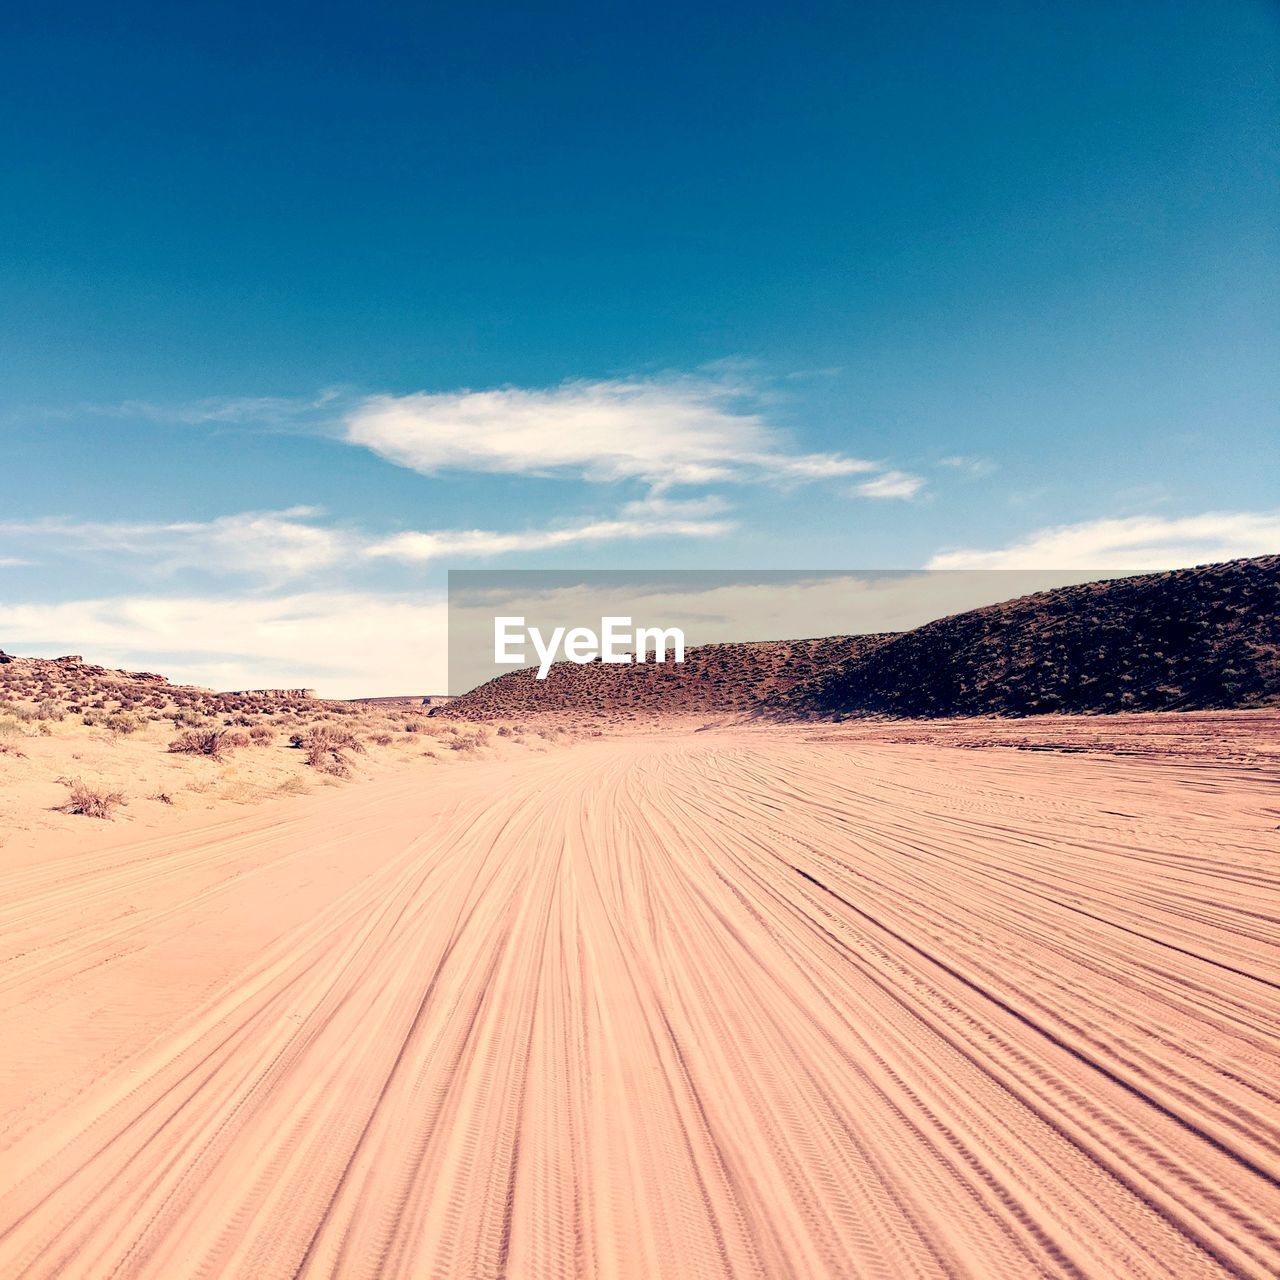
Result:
<point x="733" y="1004"/>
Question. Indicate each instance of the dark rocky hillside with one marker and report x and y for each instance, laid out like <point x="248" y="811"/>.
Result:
<point x="1190" y="639"/>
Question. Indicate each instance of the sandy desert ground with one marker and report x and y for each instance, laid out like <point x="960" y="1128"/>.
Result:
<point x="746" y="1002"/>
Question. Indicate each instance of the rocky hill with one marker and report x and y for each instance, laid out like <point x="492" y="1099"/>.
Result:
<point x="1190" y="639"/>
<point x="45" y="688"/>
<point x="714" y="679"/>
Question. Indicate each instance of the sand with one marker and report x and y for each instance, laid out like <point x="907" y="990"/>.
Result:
<point x="737" y="1003"/>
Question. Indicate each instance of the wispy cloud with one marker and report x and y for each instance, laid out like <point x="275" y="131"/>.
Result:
<point x="702" y="428"/>
<point x="1135" y="542"/>
<point x="322" y="639"/>
<point x="271" y="412"/>
<point x="969" y="465"/>
<point x="419" y="548"/>
<point x="675" y="430"/>
<point x="280" y="546"/>
<point x="892" y="484"/>
<point x="266" y="544"/>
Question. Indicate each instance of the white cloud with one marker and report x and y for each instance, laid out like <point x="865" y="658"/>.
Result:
<point x="1137" y="542"/>
<point x="274" y="545"/>
<point x="892" y="484"/>
<point x="345" y="644"/>
<point x="664" y="431"/>
<point x="422" y="547"/>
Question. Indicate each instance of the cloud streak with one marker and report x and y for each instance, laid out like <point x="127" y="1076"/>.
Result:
<point x="413" y="547"/>
<point x="280" y="546"/>
<point x="892" y="484"/>
<point x="275" y="545"/>
<point x="1135" y="542"/>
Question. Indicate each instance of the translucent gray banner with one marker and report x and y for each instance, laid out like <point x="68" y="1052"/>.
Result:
<point x="517" y="614"/>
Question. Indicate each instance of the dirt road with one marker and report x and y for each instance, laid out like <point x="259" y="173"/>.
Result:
<point x="680" y="1005"/>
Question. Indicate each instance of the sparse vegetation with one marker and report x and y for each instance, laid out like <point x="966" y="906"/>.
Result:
<point x="91" y="802"/>
<point x="326" y="747"/>
<point x="214" y="743"/>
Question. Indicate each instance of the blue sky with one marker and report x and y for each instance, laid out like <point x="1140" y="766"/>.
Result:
<point x="301" y="306"/>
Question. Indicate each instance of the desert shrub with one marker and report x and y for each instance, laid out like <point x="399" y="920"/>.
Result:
<point x="214" y="743"/>
<point x="381" y="739"/>
<point x="163" y="796"/>
<point x="325" y="746"/>
<point x="50" y="709"/>
<point x="123" y="723"/>
<point x="9" y="727"/>
<point x="8" y="748"/>
<point x="414" y="726"/>
<point x="92" y="802"/>
<point x="261" y="734"/>
<point x="238" y="739"/>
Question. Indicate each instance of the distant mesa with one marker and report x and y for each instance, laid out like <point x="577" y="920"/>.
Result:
<point x="263" y="693"/>
<point x="1191" y="639"/>
<point x="417" y="700"/>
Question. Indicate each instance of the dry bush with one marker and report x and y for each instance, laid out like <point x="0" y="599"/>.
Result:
<point x="214" y="743"/>
<point x="50" y="709"/>
<point x="163" y="796"/>
<point x="123" y="723"/>
<point x="92" y="802"/>
<point x="381" y="739"/>
<point x="7" y="748"/>
<point x="325" y="746"/>
<point x="262" y="734"/>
